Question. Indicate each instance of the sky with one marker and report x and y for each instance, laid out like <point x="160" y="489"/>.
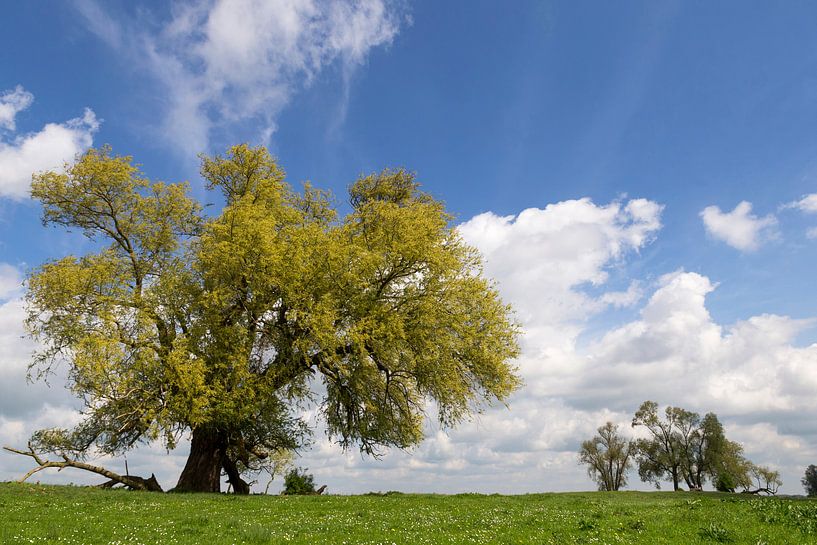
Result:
<point x="641" y="178"/>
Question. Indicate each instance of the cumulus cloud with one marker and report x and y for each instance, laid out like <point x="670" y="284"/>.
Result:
<point x="748" y="367"/>
<point x="230" y="61"/>
<point x="739" y="228"/>
<point x="22" y="155"/>
<point x="542" y="255"/>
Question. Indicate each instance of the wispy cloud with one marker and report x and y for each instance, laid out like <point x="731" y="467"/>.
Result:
<point x="56" y="143"/>
<point x="739" y="228"/>
<point x="228" y="62"/>
<point x="98" y="22"/>
<point x="807" y="204"/>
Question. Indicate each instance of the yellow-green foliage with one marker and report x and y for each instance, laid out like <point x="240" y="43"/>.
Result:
<point x="181" y="321"/>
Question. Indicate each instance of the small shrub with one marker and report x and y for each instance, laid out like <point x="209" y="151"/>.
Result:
<point x="298" y="482"/>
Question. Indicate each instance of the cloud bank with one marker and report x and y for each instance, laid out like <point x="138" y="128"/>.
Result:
<point x="554" y="265"/>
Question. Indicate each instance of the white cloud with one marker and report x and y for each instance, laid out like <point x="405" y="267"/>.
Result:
<point x="230" y="61"/>
<point x="748" y="367"/>
<point x="11" y="103"/>
<point x="807" y="204"/>
<point x="51" y="147"/>
<point x="11" y="281"/>
<point x="739" y="228"/>
<point x="623" y="299"/>
<point x="541" y="256"/>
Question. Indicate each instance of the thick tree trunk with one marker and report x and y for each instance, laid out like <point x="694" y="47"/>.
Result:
<point x="202" y="472"/>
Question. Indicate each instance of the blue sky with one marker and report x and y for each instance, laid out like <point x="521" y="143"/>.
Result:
<point x="499" y="108"/>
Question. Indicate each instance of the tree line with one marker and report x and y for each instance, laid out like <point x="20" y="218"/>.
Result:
<point x="681" y="447"/>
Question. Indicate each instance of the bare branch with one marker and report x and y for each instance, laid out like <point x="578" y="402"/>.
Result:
<point x="132" y="482"/>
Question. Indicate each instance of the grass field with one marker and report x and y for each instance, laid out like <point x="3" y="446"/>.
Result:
<point x="58" y="514"/>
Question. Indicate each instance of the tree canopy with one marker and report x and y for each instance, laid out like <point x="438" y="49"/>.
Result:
<point x="226" y="326"/>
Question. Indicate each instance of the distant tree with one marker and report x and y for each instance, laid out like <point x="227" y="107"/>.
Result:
<point x="684" y="446"/>
<point x="731" y="469"/>
<point x="608" y="457"/>
<point x="660" y="456"/>
<point x="809" y="480"/>
<point x="766" y="480"/>
<point x="705" y="448"/>
<point x="278" y="461"/>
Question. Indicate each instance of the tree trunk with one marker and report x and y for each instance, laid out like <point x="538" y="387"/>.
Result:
<point x="240" y="486"/>
<point x="202" y="472"/>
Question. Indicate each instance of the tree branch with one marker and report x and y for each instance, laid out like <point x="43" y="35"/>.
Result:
<point x="132" y="482"/>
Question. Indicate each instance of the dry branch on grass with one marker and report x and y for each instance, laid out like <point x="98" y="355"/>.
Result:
<point x="130" y="481"/>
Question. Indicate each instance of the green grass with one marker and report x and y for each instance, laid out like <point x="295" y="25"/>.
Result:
<point x="59" y="514"/>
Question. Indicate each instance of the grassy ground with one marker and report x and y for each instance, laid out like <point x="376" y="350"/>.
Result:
<point x="56" y="514"/>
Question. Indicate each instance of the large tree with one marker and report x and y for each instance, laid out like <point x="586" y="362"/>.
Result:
<point x="224" y="327"/>
<point x="608" y="457"/>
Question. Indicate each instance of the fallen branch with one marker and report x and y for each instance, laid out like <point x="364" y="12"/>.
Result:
<point x="761" y="490"/>
<point x="134" y="483"/>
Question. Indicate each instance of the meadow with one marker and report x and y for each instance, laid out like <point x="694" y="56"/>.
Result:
<point x="79" y="515"/>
